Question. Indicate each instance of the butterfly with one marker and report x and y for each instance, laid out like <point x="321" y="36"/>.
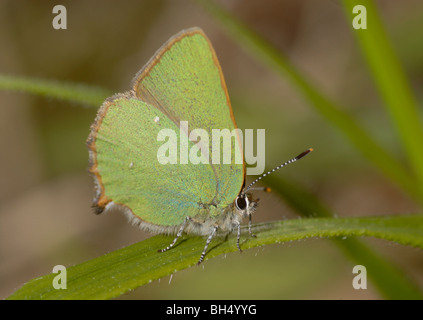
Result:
<point x="183" y="81"/>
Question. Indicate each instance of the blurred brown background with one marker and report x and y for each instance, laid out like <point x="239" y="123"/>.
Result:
<point x="45" y="191"/>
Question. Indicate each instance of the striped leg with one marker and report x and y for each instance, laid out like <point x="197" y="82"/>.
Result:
<point x="207" y="244"/>
<point x="181" y="229"/>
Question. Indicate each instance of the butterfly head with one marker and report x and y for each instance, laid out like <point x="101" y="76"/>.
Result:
<point x="245" y="204"/>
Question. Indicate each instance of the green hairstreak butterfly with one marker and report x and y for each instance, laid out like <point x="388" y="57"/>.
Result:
<point x="183" y="81"/>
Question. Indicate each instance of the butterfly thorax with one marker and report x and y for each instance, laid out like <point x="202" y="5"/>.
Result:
<point x="226" y="219"/>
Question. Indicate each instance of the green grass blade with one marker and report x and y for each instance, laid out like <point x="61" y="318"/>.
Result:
<point x="276" y="60"/>
<point x="125" y="269"/>
<point x="73" y="92"/>
<point x="391" y="81"/>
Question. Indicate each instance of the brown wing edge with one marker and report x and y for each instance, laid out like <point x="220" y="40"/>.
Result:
<point x="101" y="203"/>
<point x="100" y="200"/>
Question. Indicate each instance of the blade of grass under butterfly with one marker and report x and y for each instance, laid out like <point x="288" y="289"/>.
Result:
<point x="268" y="54"/>
<point x="125" y="269"/>
<point x="391" y="81"/>
<point x="389" y="279"/>
<point x="74" y="92"/>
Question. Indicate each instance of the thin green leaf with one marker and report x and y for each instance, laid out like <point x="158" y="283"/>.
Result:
<point x="277" y="61"/>
<point x="125" y="269"/>
<point x="89" y="95"/>
<point x="391" y="81"/>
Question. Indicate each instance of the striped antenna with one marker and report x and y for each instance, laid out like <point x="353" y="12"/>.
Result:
<point x="303" y="154"/>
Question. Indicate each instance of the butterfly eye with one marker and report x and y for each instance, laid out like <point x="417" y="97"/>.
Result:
<point x="241" y="202"/>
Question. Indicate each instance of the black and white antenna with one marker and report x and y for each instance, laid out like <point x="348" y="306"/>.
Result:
<point x="303" y="154"/>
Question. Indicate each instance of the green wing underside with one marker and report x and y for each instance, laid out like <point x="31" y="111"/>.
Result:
<point x="183" y="82"/>
<point x="161" y="194"/>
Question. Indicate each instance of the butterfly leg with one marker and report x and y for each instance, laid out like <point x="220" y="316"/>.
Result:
<point x="249" y="227"/>
<point x="181" y="229"/>
<point x="207" y="244"/>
